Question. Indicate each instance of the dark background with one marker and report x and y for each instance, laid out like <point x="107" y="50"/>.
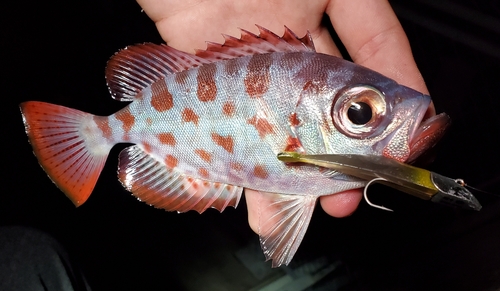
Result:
<point x="57" y="51"/>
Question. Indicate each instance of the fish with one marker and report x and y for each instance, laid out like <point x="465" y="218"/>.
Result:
<point x="205" y="126"/>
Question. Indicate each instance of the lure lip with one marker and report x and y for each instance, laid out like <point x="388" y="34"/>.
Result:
<point x="409" y="179"/>
<point x="453" y="192"/>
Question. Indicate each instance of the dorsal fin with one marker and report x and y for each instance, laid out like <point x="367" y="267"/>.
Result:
<point x="250" y="44"/>
<point x="136" y="67"/>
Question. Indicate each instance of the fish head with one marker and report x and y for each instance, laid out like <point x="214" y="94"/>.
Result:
<point x="359" y="111"/>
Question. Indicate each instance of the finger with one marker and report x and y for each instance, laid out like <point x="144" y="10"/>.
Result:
<point x="324" y="43"/>
<point x="341" y="204"/>
<point x="374" y="38"/>
<point x="337" y="205"/>
<point x="253" y="198"/>
<point x="171" y="16"/>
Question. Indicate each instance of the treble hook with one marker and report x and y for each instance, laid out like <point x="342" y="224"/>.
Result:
<point x="365" y="194"/>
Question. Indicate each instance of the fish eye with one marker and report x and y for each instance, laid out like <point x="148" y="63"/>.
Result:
<point x="358" y="111"/>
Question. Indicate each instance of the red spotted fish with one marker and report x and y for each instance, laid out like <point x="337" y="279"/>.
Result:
<point x="208" y="125"/>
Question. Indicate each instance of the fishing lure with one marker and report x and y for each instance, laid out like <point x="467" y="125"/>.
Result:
<point x="409" y="179"/>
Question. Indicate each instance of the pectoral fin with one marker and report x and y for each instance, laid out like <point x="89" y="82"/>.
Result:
<point x="283" y="221"/>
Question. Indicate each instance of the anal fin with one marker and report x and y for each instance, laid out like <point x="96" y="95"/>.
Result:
<point x="283" y="222"/>
<point x="154" y="183"/>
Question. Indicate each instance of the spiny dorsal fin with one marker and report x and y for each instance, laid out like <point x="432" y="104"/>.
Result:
<point x="250" y="44"/>
<point x="136" y="67"/>
<point x="154" y="183"/>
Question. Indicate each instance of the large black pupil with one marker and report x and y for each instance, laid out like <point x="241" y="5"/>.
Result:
<point x="359" y="113"/>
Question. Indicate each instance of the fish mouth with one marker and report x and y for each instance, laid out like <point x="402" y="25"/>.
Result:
<point x="427" y="134"/>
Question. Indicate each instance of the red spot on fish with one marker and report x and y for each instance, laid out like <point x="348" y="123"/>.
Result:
<point x="293" y="145"/>
<point x="262" y="126"/>
<point x="188" y="115"/>
<point x="146" y="147"/>
<point x="204" y="155"/>
<point x="181" y="77"/>
<point x="203" y="173"/>
<point x="293" y="119"/>
<point x="103" y="124"/>
<point x="166" y="138"/>
<point x="161" y="99"/>
<point x="316" y="86"/>
<point x="216" y="185"/>
<point x="190" y="179"/>
<point x="258" y="77"/>
<point x="195" y="185"/>
<point x="207" y="89"/>
<point x="236" y="166"/>
<point x="229" y="187"/>
<point x="226" y="142"/>
<point x="149" y="121"/>
<point x="139" y="96"/>
<point x="260" y="172"/>
<point x="171" y="161"/>
<point x="126" y="118"/>
<point x="310" y="85"/>
<point x="228" y="108"/>
<point x="232" y="67"/>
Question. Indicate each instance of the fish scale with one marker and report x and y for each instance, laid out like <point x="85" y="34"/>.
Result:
<point x="206" y="126"/>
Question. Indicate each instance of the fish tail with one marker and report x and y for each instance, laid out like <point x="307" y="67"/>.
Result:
<point x="70" y="145"/>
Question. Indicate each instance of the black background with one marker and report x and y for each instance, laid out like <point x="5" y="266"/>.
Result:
<point x="57" y="51"/>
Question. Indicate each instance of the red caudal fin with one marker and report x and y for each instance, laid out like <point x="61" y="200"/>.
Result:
<point x="70" y="146"/>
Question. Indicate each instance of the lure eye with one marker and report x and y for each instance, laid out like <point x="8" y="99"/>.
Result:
<point x="358" y="111"/>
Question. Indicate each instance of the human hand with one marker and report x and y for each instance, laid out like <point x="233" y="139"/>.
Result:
<point x="368" y="29"/>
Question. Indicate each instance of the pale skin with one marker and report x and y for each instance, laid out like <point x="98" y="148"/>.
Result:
<point x="368" y="29"/>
